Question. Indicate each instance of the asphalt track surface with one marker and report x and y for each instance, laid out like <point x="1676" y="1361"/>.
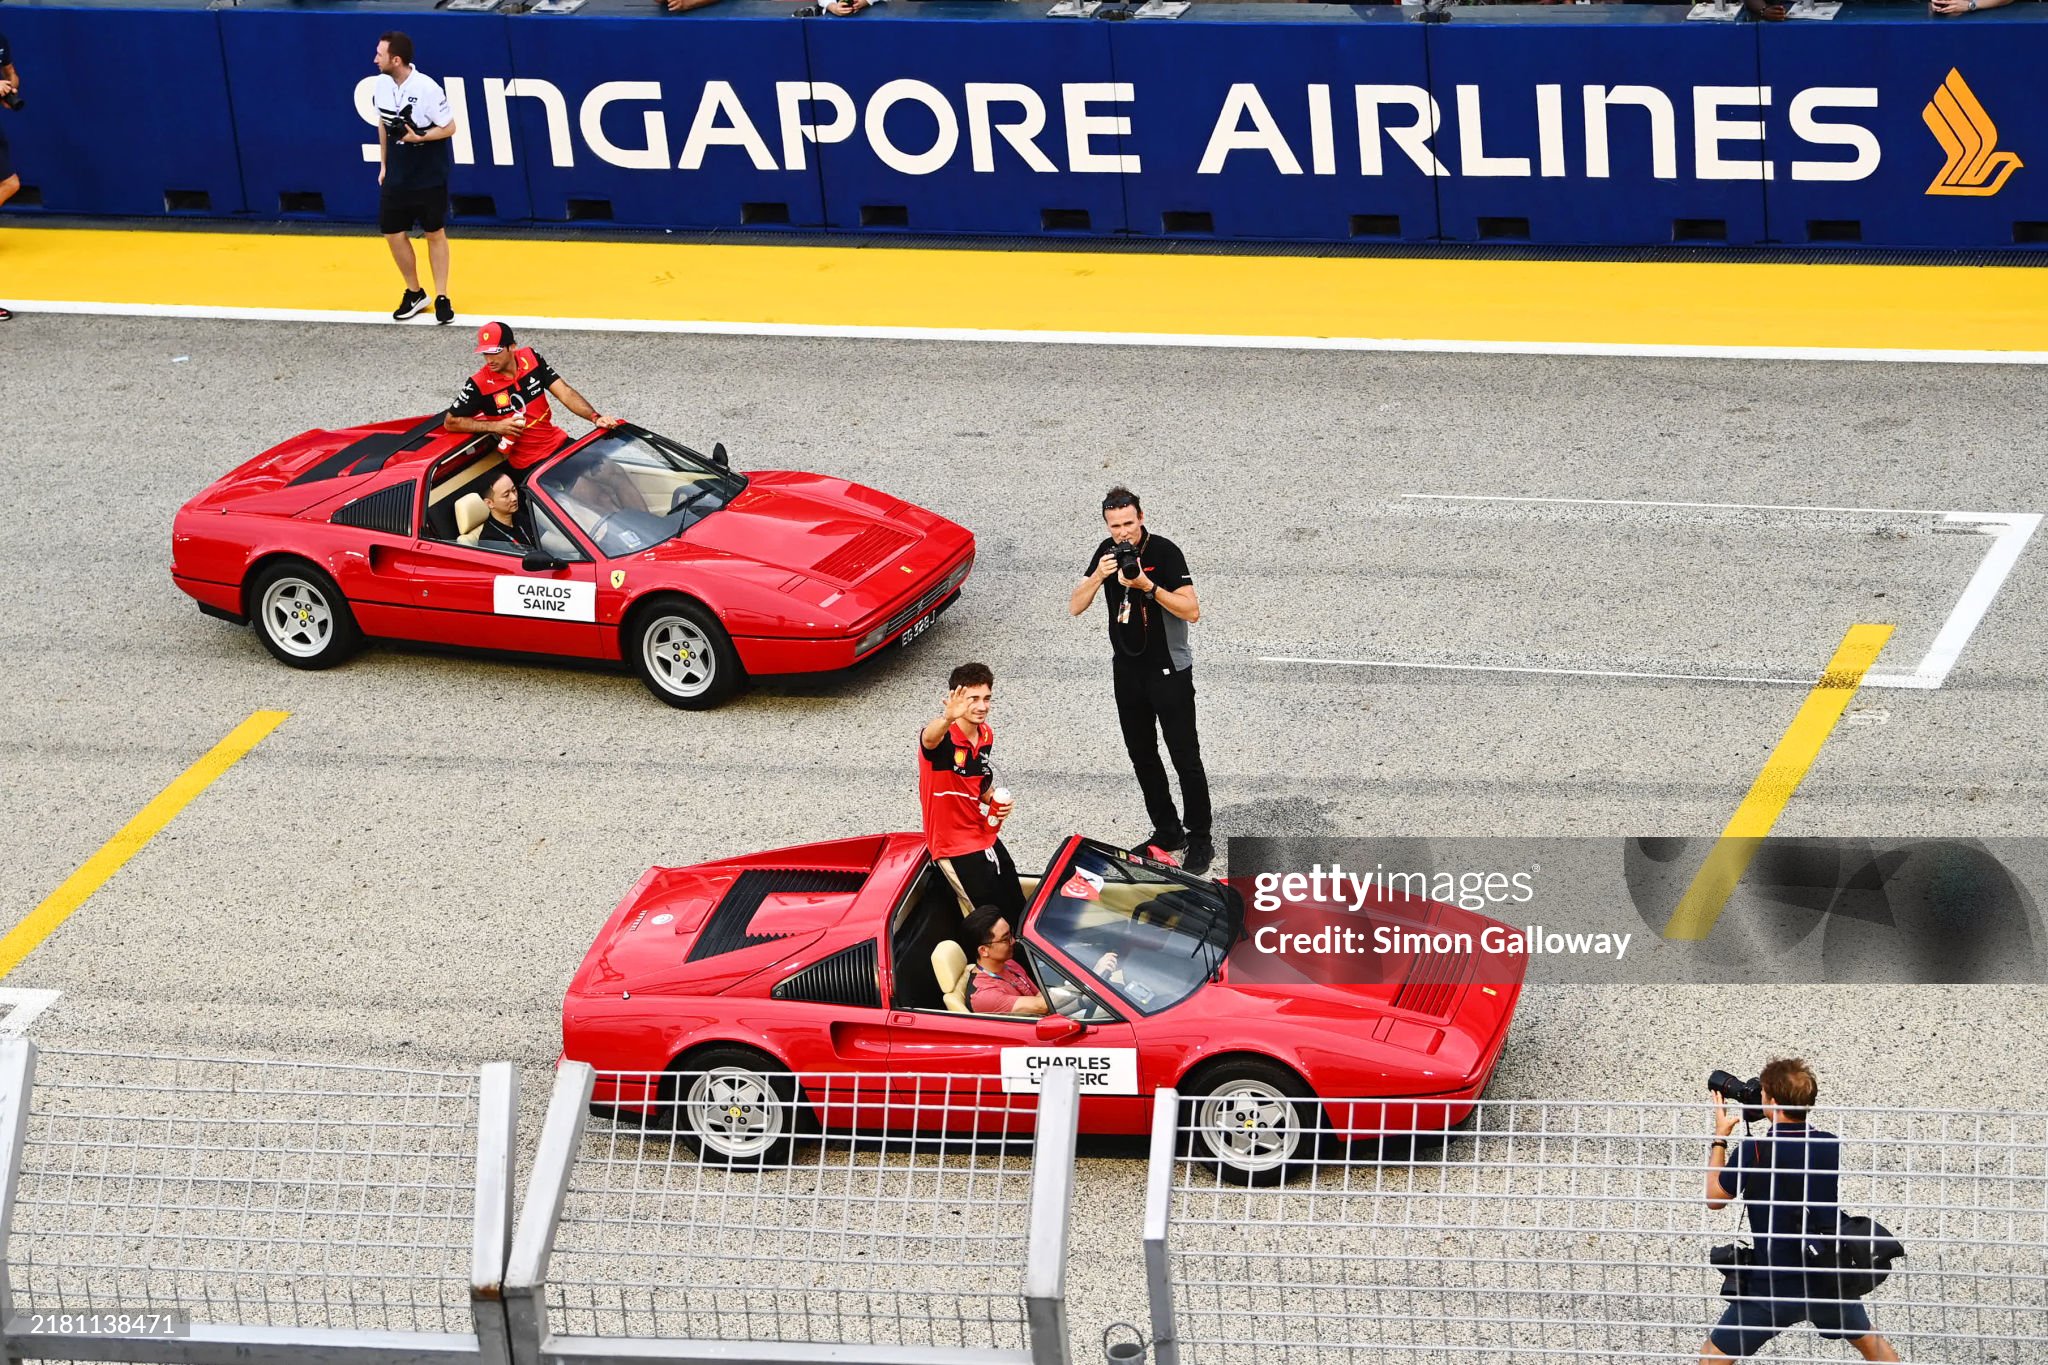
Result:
<point x="410" y="868"/>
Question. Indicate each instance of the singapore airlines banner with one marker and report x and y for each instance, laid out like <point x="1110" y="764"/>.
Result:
<point x="1623" y="125"/>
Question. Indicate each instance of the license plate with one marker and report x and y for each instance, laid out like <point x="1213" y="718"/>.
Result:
<point x="918" y="627"/>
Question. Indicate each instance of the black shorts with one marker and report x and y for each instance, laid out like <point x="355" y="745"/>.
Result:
<point x="6" y="158"/>
<point x="1748" y="1324"/>
<point x="985" y="878"/>
<point x="398" y="210"/>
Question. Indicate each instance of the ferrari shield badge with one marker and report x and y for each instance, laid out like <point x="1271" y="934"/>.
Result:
<point x="618" y="578"/>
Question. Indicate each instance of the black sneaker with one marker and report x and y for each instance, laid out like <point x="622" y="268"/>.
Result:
<point x="1201" y="852"/>
<point x="410" y="304"/>
<point x="444" y="311"/>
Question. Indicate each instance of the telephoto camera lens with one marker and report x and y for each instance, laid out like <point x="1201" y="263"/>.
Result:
<point x="1749" y="1094"/>
<point x="1127" y="561"/>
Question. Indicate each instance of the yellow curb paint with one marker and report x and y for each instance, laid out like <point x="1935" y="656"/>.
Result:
<point x="132" y="837"/>
<point x="1783" y="771"/>
<point x="1907" y="308"/>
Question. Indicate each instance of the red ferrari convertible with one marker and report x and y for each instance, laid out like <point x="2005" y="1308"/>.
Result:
<point x="728" y="997"/>
<point x="636" y="548"/>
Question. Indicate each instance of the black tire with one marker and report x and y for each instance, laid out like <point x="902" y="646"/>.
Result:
<point x="301" y="617"/>
<point x="1252" y="1121"/>
<point x="683" y="654"/>
<point x="734" y="1106"/>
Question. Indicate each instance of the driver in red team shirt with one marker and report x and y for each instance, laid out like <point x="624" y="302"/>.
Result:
<point x="508" y="397"/>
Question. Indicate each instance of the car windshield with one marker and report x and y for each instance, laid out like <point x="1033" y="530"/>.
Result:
<point x="1168" y="931"/>
<point x="629" y="489"/>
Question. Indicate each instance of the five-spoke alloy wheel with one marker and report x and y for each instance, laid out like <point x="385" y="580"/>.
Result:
<point x="301" y="617"/>
<point x="683" y="654"/>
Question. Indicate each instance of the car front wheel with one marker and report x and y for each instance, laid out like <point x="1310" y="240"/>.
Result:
<point x="683" y="655"/>
<point x="301" y="617"/>
<point x="1252" y="1121"/>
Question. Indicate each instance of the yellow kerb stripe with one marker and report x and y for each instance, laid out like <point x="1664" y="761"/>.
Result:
<point x="1783" y="771"/>
<point x="132" y="837"/>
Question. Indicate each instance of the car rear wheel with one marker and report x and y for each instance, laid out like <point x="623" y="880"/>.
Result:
<point x="301" y="617"/>
<point x="1252" y="1122"/>
<point x="683" y="655"/>
<point x="736" y="1107"/>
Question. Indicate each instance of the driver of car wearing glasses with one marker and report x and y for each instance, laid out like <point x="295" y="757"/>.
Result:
<point x="997" y="983"/>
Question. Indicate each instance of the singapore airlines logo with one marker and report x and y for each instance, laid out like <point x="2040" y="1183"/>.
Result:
<point x="1958" y="121"/>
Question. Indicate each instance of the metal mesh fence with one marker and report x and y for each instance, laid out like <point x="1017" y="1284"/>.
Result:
<point x="260" y="1193"/>
<point x="899" y="1214"/>
<point x="1581" y="1231"/>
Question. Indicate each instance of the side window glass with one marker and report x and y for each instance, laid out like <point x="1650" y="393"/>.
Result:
<point x="1065" y="996"/>
<point x="549" y="537"/>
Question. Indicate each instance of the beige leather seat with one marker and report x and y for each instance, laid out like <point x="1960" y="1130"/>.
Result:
<point x="949" y="965"/>
<point x="470" y="516"/>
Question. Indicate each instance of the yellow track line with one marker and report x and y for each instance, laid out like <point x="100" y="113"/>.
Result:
<point x="1783" y="771"/>
<point x="131" y="838"/>
<point x="1709" y="304"/>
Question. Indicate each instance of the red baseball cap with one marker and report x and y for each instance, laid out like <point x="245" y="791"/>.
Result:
<point x="492" y="338"/>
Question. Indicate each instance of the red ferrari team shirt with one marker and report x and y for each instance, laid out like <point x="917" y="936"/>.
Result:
<point x="522" y="393"/>
<point x="999" y="991"/>
<point x="952" y="780"/>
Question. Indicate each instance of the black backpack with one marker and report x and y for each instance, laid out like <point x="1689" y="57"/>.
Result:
<point x="1858" y="1252"/>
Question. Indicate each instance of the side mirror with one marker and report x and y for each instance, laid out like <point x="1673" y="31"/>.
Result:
<point x="1057" y="1028"/>
<point x="538" y="562"/>
<point x="718" y="455"/>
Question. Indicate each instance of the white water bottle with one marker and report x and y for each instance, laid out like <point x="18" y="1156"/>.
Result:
<point x="999" y="797"/>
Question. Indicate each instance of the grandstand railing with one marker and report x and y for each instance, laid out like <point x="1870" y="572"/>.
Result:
<point x="1549" y="1230"/>
<point x="912" y="1220"/>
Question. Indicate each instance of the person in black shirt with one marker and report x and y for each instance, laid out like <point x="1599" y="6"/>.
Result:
<point x="1781" y="1179"/>
<point x="10" y="100"/>
<point x="502" y="527"/>
<point x="1153" y="667"/>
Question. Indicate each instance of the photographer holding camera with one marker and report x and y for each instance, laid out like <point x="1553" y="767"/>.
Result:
<point x="414" y="161"/>
<point x="1789" y="1184"/>
<point x="10" y="100"/>
<point x="1145" y="583"/>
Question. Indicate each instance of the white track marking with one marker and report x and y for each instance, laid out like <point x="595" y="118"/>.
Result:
<point x="1048" y="337"/>
<point x="1517" y="668"/>
<point x="23" y="1005"/>
<point x="2010" y="532"/>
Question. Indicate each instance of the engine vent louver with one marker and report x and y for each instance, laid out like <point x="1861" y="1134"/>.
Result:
<point x="1432" y="984"/>
<point x="847" y="977"/>
<point x="861" y="554"/>
<point x="388" y="510"/>
<point x="727" y="929"/>
<point x="368" y="454"/>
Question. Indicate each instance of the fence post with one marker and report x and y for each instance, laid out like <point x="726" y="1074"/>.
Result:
<point x="1158" y="1212"/>
<point x="540" y="1215"/>
<point x="1052" y="1199"/>
<point x="491" y="1230"/>
<point x="17" y="1081"/>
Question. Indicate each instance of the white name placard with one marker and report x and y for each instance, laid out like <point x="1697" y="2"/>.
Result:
<point x="550" y="599"/>
<point x="1102" y="1070"/>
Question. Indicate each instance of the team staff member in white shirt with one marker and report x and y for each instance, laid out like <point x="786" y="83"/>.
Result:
<point x="414" y="159"/>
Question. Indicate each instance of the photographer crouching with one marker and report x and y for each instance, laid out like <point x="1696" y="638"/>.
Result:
<point x="1150" y="595"/>
<point x="1789" y="1183"/>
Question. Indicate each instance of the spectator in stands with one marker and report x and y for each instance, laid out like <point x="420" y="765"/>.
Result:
<point x="501" y="527"/>
<point x="1779" y="1179"/>
<point x="10" y="100"/>
<point x="413" y="163"/>
<point x="997" y="983"/>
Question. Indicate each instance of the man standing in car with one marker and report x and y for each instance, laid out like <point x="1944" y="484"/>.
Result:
<point x="508" y="397"/>
<point x="956" y="789"/>
<point x="1150" y="594"/>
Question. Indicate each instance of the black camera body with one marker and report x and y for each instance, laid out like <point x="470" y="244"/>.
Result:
<point x="1126" y="560"/>
<point x="11" y="103"/>
<point x="1749" y="1094"/>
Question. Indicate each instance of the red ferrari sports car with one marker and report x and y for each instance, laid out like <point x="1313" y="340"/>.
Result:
<point x="728" y="996"/>
<point x="636" y="548"/>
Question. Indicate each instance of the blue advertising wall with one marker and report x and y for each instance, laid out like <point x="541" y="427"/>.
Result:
<point x="1610" y="125"/>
